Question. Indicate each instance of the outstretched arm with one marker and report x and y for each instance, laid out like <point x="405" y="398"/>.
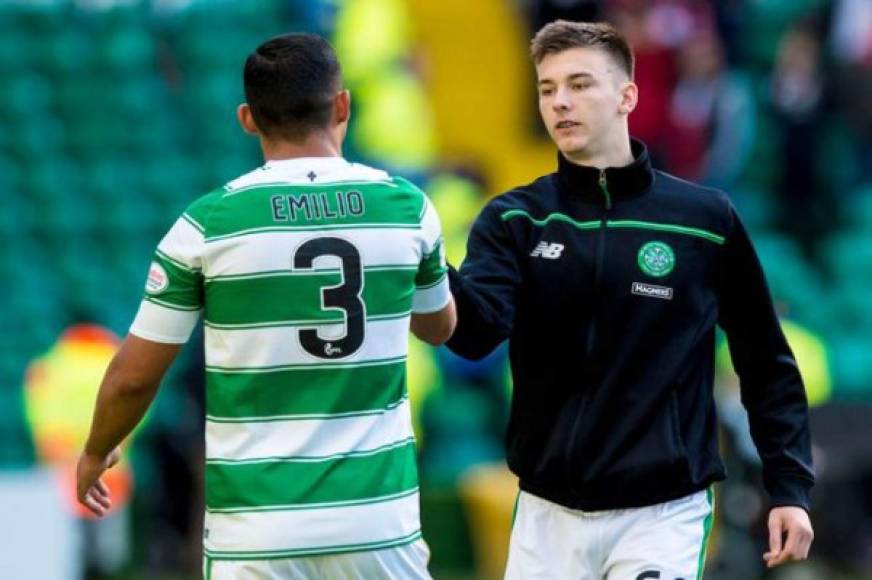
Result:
<point x="485" y="289"/>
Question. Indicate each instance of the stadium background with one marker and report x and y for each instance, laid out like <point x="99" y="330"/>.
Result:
<point x="115" y="114"/>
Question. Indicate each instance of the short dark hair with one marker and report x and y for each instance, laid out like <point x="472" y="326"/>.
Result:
<point x="290" y="82"/>
<point x="563" y="35"/>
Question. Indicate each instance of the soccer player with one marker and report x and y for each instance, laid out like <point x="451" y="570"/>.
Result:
<point x="309" y="272"/>
<point x="609" y="278"/>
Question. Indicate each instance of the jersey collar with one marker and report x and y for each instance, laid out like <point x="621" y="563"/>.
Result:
<point x="582" y="181"/>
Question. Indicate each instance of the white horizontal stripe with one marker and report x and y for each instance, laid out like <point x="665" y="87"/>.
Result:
<point x="160" y="324"/>
<point x="295" y="529"/>
<point x="431" y="227"/>
<point x="183" y="243"/>
<point x="307" y="438"/>
<point x="432" y="299"/>
<point x="307" y="171"/>
<point x="314" y="184"/>
<point x="277" y="346"/>
<point x="272" y="251"/>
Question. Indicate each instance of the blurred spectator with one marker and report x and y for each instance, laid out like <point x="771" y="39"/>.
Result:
<point x="655" y="74"/>
<point x="711" y="115"/>
<point x="60" y="389"/>
<point x="852" y="49"/>
<point x="797" y="96"/>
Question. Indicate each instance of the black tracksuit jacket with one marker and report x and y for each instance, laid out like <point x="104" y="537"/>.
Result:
<point x="609" y="285"/>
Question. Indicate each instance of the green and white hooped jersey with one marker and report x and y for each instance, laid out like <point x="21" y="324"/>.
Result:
<point x="306" y="272"/>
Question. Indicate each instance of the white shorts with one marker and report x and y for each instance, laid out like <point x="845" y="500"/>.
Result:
<point x="665" y="541"/>
<point x="407" y="562"/>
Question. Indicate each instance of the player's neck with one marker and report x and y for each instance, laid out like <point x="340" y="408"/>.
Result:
<point x="614" y="152"/>
<point x="315" y="145"/>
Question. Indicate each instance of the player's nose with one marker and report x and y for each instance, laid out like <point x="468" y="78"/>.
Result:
<point x="561" y="101"/>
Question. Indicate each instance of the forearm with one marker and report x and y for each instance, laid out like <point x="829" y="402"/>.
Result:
<point x="478" y="330"/>
<point x="778" y="415"/>
<point x="121" y="404"/>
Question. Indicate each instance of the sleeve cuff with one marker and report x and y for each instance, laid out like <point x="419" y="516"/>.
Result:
<point x="790" y="492"/>
<point x="432" y="299"/>
<point x="165" y="325"/>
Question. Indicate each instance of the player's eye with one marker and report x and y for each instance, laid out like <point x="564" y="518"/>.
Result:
<point x="546" y="92"/>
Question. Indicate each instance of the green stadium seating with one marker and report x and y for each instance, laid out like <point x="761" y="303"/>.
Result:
<point x="26" y="96"/>
<point x="849" y="255"/>
<point x="852" y="366"/>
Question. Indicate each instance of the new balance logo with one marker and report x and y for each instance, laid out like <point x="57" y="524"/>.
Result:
<point x="546" y="250"/>
<point x="652" y="291"/>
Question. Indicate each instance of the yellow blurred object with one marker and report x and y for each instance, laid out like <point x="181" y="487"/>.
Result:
<point x="60" y="390"/>
<point x="810" y="352"/>
<point x="395" y="123"/>
<point x="371" y="35"/>
<point x="422" y="378"/>
<point x="457" y="201"/>
<point x="489" y="493"/>
<point x="482" y="88"/>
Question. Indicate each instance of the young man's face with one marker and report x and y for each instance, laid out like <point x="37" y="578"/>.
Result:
<point x="583" y="98"/>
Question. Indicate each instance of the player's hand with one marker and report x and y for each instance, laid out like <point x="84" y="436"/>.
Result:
<point x="90" y="489"/>
<point x="793" y="523"/>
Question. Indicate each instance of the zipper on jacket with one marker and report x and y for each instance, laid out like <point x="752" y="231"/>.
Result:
<point x="604" y="187"/>
<point x="600" y="259"/>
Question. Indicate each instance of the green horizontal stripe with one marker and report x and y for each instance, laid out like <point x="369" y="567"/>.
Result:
<point x="293" y="553"/>
<point x="289" y="272"/>
<point x="184" y="289"/>
<point x="167" y="260"/>
<point x="300" y="323"/>
<point x="298" y="297"/>
<point x="554" y="217"/>
<point x="675" y="229"/>
<point x="431" y="268"/>
<point x="436" y="283"/>
<point x="616" y="224"/>
<point x="325" y="390"/>
<point x="384" y="204"/>
<point x="316" y="506"/>
<point x="303" y="366"/>
<point x="292" y="482"/>
<point x="308" y="416"/>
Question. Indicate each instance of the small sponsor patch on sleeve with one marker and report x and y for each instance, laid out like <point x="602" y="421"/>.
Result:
<point x="157" y="280"/>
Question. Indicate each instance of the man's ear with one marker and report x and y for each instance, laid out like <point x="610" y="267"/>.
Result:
<point x="629" y="98"/>
<point x="246" y="119"/>
<point x="342" y="106"/>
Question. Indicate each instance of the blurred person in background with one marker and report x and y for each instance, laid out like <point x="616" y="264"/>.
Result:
<point x="711" y="115"/>
<point x="60" y="389"/>
<point x="797" y="99"/>
<point x="310" y="271"/>
<point x="609" y="278"/>
<point x="656" y="30"/>
<point x="851" y="37"/>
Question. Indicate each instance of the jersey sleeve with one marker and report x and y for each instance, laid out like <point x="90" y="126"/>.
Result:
<point x="431" y="281"/>
<point x="771" y="385"/>
<point x="174" y="287"/>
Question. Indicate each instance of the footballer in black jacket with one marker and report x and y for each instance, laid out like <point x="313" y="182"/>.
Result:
<point x="609" y="279"/>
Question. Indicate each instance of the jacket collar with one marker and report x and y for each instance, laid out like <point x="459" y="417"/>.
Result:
<point x="583" y="182"/>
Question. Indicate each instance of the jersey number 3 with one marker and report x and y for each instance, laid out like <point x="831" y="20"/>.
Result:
<point x="346" y="297"/>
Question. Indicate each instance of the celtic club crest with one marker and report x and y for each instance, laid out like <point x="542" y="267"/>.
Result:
<point x="656" y="259"/>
